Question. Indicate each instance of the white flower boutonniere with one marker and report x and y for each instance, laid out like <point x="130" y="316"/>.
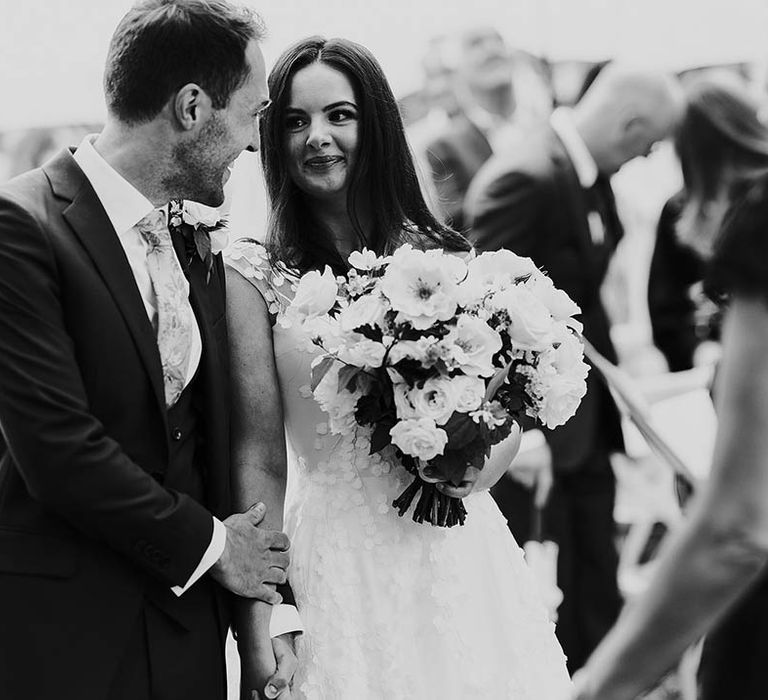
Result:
<point x="204" y="229"/>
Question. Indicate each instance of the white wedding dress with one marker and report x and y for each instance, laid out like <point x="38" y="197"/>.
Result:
<point x="394" y="609"/>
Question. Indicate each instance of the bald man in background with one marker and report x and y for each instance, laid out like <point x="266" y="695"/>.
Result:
<point x="549" y="198"/>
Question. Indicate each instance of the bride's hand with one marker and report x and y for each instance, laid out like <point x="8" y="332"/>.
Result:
<point x="466" y="486"/>
<point x="279" y="685"/>
<point x="257" y="666"/>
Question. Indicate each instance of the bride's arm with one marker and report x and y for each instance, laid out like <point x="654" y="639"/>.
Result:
<point x="258" y="469"/>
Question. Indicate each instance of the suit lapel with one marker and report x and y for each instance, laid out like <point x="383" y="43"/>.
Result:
<point x="92" y="226"/>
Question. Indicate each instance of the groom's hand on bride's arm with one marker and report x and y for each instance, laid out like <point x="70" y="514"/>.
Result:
<point x="254" y="560"/>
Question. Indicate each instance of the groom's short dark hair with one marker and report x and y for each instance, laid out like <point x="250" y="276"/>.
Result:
<point x="162" y="45"/>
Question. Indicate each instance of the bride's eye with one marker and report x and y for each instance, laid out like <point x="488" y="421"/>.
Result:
<point x="295" y="122"/>
<point x="340" y="116"/>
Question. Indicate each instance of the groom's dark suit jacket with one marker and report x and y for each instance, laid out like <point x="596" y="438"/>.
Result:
<point x="96" y="516"/>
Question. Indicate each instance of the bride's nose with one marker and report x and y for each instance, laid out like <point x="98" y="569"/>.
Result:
<point x="318" y="137"/>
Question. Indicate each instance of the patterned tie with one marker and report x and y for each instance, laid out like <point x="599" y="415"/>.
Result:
<point x="174" y="313"/>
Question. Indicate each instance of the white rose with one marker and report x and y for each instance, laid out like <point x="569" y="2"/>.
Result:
<point x="363" y="353"/>
<point x="568" y="356"/>
<point x="219" y="240"/>
<point x="196" y="214"/>
<point x="474" y="343"/>
<point x="315" y="295"/>
<point x="435" y="400"/>
<point x="561" y="397"/>
<point x="422" y="286"/>
<point x="531" y="323"/>
<point x="368" y="310"/>
<point x="470" y="392"/>
<point x="419" y="437"/>
<point x="560" y="305"/>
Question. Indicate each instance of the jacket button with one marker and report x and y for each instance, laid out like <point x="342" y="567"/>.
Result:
<point x="176" y="434"/>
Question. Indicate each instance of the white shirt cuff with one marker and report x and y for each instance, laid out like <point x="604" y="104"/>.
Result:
<point x="285" y="618"/>
<point x="211" y="556"/>
<point x="531" y="440"/>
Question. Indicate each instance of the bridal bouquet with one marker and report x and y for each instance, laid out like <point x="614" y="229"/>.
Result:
<point x="440" y="357"/>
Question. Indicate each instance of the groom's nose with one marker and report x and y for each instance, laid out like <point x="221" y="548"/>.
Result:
<point x="255" y="143"/>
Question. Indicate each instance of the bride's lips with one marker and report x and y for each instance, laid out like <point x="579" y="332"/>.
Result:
<point x="322" y="163"/>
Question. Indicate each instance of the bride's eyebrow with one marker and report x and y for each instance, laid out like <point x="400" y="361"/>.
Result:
<point x="341" y="103"/>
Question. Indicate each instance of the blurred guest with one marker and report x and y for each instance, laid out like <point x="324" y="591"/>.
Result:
<point x="721" y="137"/>
<point x="485" y="122"/>
<point x="551" y="199"/>
<point x="439" y="70"/>
<point x="684" y="322"/>
<point x="712" y="576"/>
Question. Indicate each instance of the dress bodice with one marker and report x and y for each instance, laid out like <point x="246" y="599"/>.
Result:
<point x="338" y="469"/>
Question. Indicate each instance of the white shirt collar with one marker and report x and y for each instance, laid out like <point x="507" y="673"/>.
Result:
<point x="584" y="164"/>
<point x="124" y="204"/>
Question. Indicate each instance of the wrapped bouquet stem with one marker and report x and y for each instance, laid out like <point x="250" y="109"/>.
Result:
<point x="440" y="358"/>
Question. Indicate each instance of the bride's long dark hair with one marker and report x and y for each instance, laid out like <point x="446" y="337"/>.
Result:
<point x="383" y="175"/>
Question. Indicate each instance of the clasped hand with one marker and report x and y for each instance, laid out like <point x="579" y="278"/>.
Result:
<point x="254" y="560"/>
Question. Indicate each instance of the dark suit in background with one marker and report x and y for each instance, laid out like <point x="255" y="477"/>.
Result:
<point x="454" y="158"/>
<point x="106" y="496"/>
<point x="530" y="201"/>
<point x="676" y="303"/>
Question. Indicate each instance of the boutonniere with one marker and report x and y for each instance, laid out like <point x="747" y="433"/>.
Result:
<point x="203" y="228"/>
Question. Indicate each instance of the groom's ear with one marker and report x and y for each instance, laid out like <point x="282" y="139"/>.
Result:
<point x="191" y="106"/>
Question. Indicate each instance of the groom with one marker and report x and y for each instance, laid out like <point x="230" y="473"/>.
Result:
<point x="114" y="457"/>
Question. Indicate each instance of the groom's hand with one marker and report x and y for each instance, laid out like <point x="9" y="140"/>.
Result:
<point x="254" y="560"/>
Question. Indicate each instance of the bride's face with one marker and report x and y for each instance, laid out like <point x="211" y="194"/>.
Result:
<point x="321" y="131"/>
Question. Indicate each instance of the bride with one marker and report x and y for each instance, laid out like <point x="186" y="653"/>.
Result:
<point x="391" y="608"/>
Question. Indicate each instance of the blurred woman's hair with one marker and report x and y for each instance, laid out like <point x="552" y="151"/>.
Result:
<point x="383" y="179"/>
<point x="722" y="144"/>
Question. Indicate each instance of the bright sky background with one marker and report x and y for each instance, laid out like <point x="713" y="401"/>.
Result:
<point x="52" y="51"/>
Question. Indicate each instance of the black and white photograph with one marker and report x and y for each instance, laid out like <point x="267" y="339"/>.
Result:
<point x="384" y="351"/>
